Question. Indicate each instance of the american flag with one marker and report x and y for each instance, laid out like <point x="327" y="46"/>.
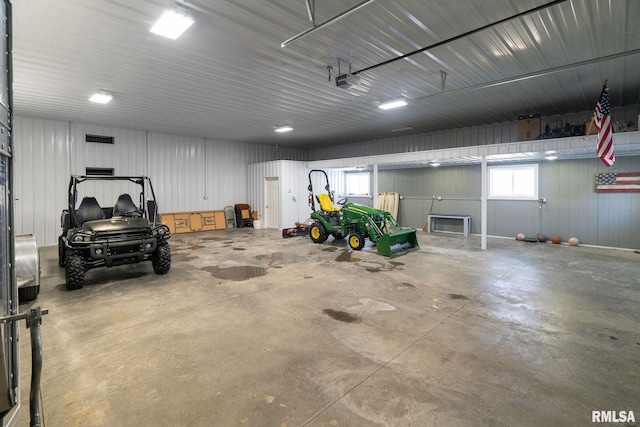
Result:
<point x="618" y="182"/>
<point x="602" y="120"/>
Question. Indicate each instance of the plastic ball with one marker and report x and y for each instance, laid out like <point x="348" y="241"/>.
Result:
<point x="556" y="240"/>
<point x="520" y="236"/>
<point x="573" y="241"/>
<point x="542" y="238"/>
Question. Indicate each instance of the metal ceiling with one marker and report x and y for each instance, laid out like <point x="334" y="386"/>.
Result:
<point x="228" y="77"/>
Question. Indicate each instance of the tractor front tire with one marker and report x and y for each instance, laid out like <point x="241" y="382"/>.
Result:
<point x="161" y="258"/>
<point x="318" y="233"/>
<point x="74" y="270"/>
<point x="356" y="240"/>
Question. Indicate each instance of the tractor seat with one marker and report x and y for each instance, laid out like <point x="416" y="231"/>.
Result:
<point x="124" y="205"/>
<point x="326" y="204"/>
<point x="89" y="210"/>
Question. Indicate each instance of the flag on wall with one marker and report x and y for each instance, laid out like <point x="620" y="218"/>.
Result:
<point x="602" y="120"/>
<point x="618" y="182"/>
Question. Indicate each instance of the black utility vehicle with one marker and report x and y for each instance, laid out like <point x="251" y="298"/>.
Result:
<point x="124" y="232"/>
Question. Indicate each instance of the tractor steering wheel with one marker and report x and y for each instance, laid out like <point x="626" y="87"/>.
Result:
<point x="342" y="201"/>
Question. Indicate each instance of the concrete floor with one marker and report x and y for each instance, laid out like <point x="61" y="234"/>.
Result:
<point x="249" y="329"/>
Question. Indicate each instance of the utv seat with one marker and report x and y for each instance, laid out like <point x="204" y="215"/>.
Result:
<point x="89" y="210"/>
<point x="326" y="204"/>
<point x="123" y="205"/>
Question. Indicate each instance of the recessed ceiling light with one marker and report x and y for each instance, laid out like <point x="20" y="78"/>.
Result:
<point x="172" y="24"/>
<point x="393" y="104"/>
<point x="549" y="152"/>
<point x="101" y="97"/>
<point x="551" y="157"/>
<point x="435" y="164"/>
<point x="285" y="128"/>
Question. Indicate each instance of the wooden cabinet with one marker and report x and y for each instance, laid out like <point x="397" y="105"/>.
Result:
<point x="187" y="222"/>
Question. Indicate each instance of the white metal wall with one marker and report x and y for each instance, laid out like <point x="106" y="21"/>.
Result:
<point x="41" y="175"/>
<point x="476" y="135"/>
<point x="188" y="173"/>
<point x="293" y="178"/>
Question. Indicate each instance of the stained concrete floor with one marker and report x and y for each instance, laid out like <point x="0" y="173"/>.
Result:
<point x="249" y="329"/>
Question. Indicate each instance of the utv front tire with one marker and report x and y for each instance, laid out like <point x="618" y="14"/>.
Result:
<point x="161" y="258"/>
<point x="74" y="270"/>
<point x="318" y="233"/>
<point x="62" y="258"/>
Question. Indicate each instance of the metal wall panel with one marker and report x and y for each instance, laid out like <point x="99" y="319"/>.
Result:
<point x="257" y="173"/>
<point x="471" y="136"/>
<point x="41" y="176"/>
<point x="292" y="178"/>
<point x="573" y="208"/>
<point x="126" y="156"/>
<point x="176" y="168"/>
<point x="188" y="173"/>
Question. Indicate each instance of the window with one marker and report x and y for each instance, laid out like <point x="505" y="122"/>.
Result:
<point x="516" y="182"/>
<point x="358" y="184"/>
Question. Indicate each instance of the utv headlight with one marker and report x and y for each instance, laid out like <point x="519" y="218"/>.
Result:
<point x="77" y="238"/>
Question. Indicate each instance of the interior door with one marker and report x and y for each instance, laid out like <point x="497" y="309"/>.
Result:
<point x="272" y="202"/>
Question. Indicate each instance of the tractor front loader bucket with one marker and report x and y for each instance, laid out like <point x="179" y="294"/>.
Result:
<point x="398" y="243"/>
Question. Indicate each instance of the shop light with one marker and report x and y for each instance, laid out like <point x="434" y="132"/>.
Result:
<point x="283" y="129"/>
<point x="393" y="104"/>
<point x="172" y="24"/>
<point x="101" y="97"/>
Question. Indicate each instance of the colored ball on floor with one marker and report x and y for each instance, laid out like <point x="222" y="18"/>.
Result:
<point x="520" y="236"/>
<point x="556" y="239"/>
<point x="542" y="238"/>
<point x="573" y="241"/>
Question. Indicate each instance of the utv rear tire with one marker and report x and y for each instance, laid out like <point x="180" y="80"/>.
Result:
<point x="356" y="240"/>
<point x="61" y="252"/>
<point x="318" y="233"/>
<point x="74" y="270"/>
<point x="161" y="258"/>
<point x="28" y="293"/>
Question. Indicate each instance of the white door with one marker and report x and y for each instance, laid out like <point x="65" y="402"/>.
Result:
<point x="272" y="202"/>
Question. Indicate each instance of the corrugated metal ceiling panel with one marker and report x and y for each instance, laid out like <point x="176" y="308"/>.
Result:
<point x="228" y="78"/>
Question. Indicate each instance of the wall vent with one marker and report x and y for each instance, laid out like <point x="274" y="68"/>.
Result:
<point x="100" y="171"/>
<point x="99" y="139"/>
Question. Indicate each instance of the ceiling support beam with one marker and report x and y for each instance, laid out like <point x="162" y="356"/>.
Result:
<point x="532" y="75"/>
<point x="325" y="23"/>
<point x="463" y="35"/>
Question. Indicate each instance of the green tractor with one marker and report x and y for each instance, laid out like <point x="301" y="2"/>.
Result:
<point x="358" y="222"/>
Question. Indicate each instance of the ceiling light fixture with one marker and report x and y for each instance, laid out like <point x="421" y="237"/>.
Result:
<point x="172" y="23"/>
<point x="283" y="129"/>
<point x="101" y="97"/>
<point x="393" y="104"/>
<point x="551" y="157"/>
<point x="435" y="164"/>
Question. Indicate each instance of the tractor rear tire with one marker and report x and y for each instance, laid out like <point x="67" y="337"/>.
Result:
<point x="356" y="240"/>
<point x="318" y="233"/>
<point x="74" y="270"/>
<point x="161" y="258"/>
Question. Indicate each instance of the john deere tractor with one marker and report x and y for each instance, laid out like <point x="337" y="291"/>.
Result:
<point x="357" y="221"/>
